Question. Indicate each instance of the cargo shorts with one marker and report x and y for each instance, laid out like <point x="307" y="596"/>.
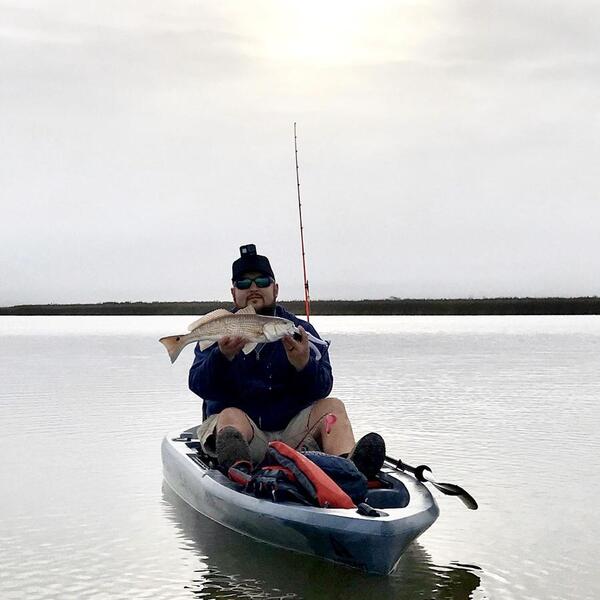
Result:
<point x="292" y="435"/>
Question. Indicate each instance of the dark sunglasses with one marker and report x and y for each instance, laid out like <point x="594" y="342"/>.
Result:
<point x="262" y="282"/>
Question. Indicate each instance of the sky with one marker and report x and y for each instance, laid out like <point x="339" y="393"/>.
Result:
<point x="446" y="148"/>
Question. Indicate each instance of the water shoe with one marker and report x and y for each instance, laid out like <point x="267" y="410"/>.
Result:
<point x="368" y="455"/>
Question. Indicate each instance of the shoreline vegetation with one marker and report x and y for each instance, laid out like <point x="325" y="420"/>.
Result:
<point x="589" y="305"/>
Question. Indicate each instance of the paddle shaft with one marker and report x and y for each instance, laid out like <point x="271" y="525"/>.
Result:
<point x="418" y="472"/>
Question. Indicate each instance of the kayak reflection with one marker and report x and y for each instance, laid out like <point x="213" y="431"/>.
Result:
<point x="233" y="565"/>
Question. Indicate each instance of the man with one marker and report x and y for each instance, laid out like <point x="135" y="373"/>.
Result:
<point x="277" y="392"/>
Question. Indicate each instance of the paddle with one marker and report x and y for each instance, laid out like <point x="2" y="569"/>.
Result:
<point x="423" y="473"/>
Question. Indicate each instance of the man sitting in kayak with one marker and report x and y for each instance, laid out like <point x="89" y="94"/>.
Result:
<point x="277" y="392"/>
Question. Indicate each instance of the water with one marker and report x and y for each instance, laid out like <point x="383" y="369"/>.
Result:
<point x="507" y="407"/>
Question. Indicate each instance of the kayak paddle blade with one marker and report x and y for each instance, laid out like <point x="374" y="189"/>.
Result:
<point x="450" y="489"/>
<point x="423" y="473"/>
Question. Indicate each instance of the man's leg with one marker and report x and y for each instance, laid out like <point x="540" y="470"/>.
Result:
<point x="236" y="418"/>
<point x="340" y="440"/>
<point x="232" y="436"/>
<point x="368" y="454"/>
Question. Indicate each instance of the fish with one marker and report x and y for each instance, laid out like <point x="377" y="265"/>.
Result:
<point x="213" y="326"/>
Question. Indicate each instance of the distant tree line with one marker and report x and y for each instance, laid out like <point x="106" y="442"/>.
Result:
<point x="390" y="306"/>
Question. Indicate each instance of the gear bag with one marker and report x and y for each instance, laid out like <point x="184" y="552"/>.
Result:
<point x="292" y="476"/>
<point x="343" y="472"/>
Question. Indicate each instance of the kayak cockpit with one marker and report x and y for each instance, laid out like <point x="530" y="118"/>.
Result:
<point x="392" y="492"/>
<point x="393" y="497"/>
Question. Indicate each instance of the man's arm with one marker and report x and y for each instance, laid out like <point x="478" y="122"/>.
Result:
<point x="313" y="376"/>
<point x="316" y="379"/>
<point x="209" y="374"/>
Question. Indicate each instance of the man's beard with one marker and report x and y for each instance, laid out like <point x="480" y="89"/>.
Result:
<point x="268" y="311"/>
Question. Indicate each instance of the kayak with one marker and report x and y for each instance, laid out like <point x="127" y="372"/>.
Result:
<point x="371" y="537"/>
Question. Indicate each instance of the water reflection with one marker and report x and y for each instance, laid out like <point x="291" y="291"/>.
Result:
<point x="234" y="566"/>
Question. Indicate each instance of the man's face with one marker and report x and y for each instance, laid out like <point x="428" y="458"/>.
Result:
<point x="259" y="298"/>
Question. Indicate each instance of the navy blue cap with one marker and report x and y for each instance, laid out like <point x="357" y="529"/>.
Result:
<point x="249" y="262"/>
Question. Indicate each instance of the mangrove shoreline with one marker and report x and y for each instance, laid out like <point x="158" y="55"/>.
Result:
<point x="389" y="306"/>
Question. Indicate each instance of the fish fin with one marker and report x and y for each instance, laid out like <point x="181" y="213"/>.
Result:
<point x="249" y="347"/>
<point x="211" y="316"/>
<point x="247" y="310"/>
<point x="204" y="344"/>
<point x="174" y="345"/>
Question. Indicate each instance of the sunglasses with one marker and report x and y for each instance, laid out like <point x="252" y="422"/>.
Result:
<point x="262" y="282"/>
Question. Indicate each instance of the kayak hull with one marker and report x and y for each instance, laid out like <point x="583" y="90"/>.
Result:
<point x="373" y="544"/>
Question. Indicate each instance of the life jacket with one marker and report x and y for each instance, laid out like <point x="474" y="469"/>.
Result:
<point x="290" y="474"/>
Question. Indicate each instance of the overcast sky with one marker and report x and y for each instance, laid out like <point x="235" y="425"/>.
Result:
<point x="447" y="149"/>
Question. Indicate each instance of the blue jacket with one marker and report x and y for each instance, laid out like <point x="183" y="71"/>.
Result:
<point x="263" y="383"/>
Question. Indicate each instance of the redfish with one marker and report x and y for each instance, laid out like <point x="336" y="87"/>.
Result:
<point x="219" y="323"/>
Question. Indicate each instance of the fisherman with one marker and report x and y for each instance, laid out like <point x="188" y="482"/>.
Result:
<point x="277" y="392"/>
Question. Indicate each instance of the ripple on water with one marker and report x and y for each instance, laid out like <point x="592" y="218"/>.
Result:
<point x="507" y="409"/>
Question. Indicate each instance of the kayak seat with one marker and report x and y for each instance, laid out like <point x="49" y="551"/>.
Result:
<point x="382" y="498"/>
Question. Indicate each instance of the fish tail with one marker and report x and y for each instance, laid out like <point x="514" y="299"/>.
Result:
<point x="174" y="345"/>
<point x="318" y="355"/>
<point x="317" y="340"/>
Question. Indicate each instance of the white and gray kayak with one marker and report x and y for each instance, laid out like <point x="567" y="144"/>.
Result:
<point x="371" y="540"/>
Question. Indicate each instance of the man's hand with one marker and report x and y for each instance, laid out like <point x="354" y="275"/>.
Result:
<point x="298" y="352"/>
<point x="231" y="345"/>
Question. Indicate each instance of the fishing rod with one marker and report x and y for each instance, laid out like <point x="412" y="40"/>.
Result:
<point x="306" y="290"/>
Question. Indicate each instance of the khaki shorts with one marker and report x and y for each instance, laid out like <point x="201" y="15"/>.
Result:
<point x="292" y="435"/>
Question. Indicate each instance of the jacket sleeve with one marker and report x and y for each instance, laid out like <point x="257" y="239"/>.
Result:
<point x="208" y="374"/>
<point x="316" y="379"/>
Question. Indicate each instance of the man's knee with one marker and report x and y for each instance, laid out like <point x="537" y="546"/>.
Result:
<point x="234" y="417"/>
<point x="232" y="413"/>
<point x="332" y="405"/>
<point x="329" y="405"/>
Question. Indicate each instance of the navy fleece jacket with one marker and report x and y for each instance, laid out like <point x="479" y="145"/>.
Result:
<point x="263" y="383"/>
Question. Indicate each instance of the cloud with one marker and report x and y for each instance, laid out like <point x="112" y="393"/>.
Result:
<point x="456" y="150"/>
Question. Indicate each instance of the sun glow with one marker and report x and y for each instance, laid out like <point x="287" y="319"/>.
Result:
<point x="326" y="32"/>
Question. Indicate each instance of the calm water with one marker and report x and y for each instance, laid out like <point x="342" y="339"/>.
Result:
<point x="507" y="407"/>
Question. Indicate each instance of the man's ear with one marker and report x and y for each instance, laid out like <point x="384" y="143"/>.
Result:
<point x="275" y="291"/>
